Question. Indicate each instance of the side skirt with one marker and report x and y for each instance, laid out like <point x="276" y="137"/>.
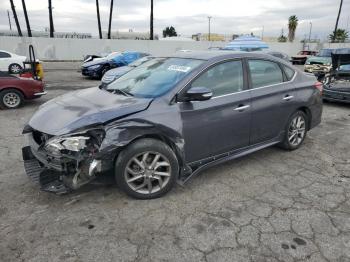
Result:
<point x="215" y="160"/>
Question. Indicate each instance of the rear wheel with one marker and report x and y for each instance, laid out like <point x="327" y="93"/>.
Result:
<point x="15" y="69"/>
<point x="10" y="99"/>
<point x="146" y="169"/>
<point x="295" y="131"/>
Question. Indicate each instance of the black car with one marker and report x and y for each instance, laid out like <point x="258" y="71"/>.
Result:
<point x="337" y="82"/>
<point x="97" y="67"/>
<point x="169" y="119"/>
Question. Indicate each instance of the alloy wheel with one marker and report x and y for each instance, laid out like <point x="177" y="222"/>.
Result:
<point x="148" y="172"/>
<point x="11" y="100"/>
<point x="15" y="69"/>
<point x="296" y="131"/>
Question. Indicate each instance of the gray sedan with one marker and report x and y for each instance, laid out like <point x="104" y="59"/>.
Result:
<point x="170" y="118"/>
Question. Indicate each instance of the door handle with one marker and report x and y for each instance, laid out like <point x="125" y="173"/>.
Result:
<point x="288" y="97"/>
<point x="241" y="107"/>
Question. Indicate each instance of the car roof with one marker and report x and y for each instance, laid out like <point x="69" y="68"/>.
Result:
<point x="209" y="55"/>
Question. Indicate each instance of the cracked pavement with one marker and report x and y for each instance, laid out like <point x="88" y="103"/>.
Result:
<point x="271" y="206"/>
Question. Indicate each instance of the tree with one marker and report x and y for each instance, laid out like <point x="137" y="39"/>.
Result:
<point x="292" y="27"/>
<point x="169" y="31"/>
<point x="336" y="23"/>
<point x="282" y="38"/>
<point x="340" y="36"/>
<point x="151" y="23"/>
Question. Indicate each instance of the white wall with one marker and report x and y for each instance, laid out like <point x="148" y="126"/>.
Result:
<point x="75" y="49"/>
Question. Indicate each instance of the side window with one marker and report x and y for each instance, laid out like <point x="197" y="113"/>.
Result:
<point x="264" y="73"/>
<point x="222" y="79"/>
<point x="4" y="55"/>
<point x="289" y="72"/>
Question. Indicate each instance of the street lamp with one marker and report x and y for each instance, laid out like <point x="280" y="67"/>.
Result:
<point x="209" y="18"/>
<point x="310" y="32"/>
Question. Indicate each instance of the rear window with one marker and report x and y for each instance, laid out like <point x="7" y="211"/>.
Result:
<point x="289" y="72"/>
<point x="264" y="73"/>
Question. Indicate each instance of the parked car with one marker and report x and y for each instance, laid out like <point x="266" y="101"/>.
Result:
<point x="10" y="62"/>
<point x="321" y="63"/>
<point x="14" y="90"/>
<point x="302" y="56"/>
<point x="99" y="66"/>
<point x="170" y="118"/>
<point x="115" y="73"/>
<point x="337" y="82"/>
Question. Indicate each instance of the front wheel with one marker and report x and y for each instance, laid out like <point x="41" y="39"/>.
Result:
<point x="15" y="69"/>
<point x="295" y="131"/>
<point x="146" y="169"/>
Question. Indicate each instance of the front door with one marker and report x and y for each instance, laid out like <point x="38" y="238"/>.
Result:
<point x="222" y="123"/>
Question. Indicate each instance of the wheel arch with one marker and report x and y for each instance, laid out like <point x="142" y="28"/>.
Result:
<point x="308" y="114"/>
<point x="15" y="88"/>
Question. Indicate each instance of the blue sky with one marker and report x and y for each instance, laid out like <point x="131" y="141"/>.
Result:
<point x="188" y="16"/>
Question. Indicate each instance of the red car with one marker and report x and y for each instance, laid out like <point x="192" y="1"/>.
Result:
<point x="14" y="90"/>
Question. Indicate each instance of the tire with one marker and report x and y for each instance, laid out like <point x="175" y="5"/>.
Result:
<point x="294" y="136"/>
<point x="103" y="71"/>
<point x="135" y="175"/>
<point x="10" y="99"/>
<point x="15" y="68"/>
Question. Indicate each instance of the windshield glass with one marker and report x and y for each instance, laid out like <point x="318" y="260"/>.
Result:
<point x="155" y="77"/>
<point x="112" y="55"/>
<point x="325" y="53"/>
<point x="140" y="61"/>
<point x="344" y="67"/>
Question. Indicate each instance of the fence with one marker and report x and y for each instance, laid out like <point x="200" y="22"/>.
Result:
<point x="74" y="49"/>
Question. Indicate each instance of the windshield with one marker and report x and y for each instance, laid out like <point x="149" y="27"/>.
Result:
<point x="155" y="77"/>
<point x="325" y="53"/>
<point x="112" y="55"/>
<point x="344" y="67"/>
<point x="140" y="61"/>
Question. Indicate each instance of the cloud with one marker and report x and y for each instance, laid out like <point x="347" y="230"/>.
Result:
<point x="188" y="16"/>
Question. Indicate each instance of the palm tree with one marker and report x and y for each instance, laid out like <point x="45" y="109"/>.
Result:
<point x="340" y="36"/>
<point x="151" y="23"/>
<point x="98" y="19"/>
<point x="336" y="23"/>
<point x="292" y="27"/>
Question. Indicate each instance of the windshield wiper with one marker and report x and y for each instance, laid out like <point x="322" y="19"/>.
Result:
<point x="125" y="93"/>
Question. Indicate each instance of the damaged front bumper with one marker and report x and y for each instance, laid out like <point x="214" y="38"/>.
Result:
<point x="58" y="173"/>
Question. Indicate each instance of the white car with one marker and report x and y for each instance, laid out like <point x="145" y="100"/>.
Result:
<point x="11" y="63"/>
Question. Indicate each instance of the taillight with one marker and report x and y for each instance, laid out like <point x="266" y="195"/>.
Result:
<point x="319" y="86"/>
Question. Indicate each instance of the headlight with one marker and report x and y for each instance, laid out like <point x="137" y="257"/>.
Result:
<point x="74" y="143"/>
<point x="94" y="67"/>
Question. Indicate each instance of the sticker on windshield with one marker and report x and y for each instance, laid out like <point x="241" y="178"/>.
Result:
<point x="178" y="68"/>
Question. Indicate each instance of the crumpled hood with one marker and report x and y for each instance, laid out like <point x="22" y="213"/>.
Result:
<point x="320" y="59"/>
<point x="87" y="107"/>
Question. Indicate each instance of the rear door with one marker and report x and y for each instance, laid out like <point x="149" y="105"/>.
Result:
<point x="221" y="123"/>
<point x="273" y="99"/>
<point x="4" y="61"/>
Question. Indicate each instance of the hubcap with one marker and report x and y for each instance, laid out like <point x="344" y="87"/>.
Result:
<point x="15" y="68"/>
<point x="11" y="100"/>
<point x="296" y="131"/>
<point x="148" y="172"/>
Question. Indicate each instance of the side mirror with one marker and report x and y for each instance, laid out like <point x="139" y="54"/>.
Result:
<point x="196" y="94"/>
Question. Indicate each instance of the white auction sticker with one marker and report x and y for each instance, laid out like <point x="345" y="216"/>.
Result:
<point x="178" y="68"/>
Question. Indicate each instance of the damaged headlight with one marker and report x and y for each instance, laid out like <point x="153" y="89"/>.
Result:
<point x="74" y="143"/>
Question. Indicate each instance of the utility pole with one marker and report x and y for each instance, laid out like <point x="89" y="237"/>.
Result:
<point x="16" y="18"/>
<point x="209" y="18"/>
<point x="26" y="17"/>
<point x="98" y="19"/>
<point x="51" y="20"/>
<point x="110" y="20"/>
<point x="310" y="32"/>
<point x="151" y="23"/>
<point x="8" y="15"/>
<point x="336" y="24"/>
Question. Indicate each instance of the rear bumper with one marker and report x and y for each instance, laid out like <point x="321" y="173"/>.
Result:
<point x="40" y="93"/>
<point x="337" y="96"/>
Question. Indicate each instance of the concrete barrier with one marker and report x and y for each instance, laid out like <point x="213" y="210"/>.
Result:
<point x="58" y="49"/>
